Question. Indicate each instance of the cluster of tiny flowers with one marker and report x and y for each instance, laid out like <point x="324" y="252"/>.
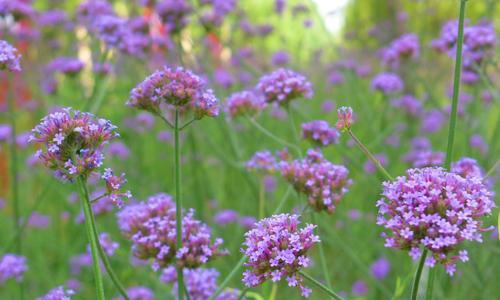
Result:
<point x="9" y="57"/>
<point x="113" y="187"/>
<point x="404" y="47"/>
<point x="174" y="87"/>
<point x="217" y="12"/>
<point x="174" y="14"/>
<point x="283" y="86"/>
<point x="277" y="248"/>
<point x="58" y="293"/>
<point x="467" y="167"/>
<point x="345" y="118"/>
<point x="434" y="209"/>
<point x="151" y="226"/>
<point x="409" y="104"/>
<point x="12" y="266"/>
<point x="387" y="83"/>
<point x="262" y="161"/>
<point x="319" y="133"/>
<point x="478" y="43"/>
<point x="245" y="103"/>
<point x="65" y="65"/>
<point x="200" y="283"/>
<point x="138" y="293"/>
<point x="322" y="182"/>
<point x="73" y="142"/>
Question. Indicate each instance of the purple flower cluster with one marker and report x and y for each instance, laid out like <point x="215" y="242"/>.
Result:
<point x="322" y="182"/>
<point x="319" y="133"/>
<point x="177" y="87"/>
<point x="244" y="103"/>
<point x="73" y="142"/>
<point x="277" y="248"/>
<point x="9" y="57"/>
<point x="12" y="266"/>
<point x="283" y="86"/>
<point x="408" y="103"/>
<point x="113" y="187"/>
<point x="200" y="283"/>
<point x="479" y="43"/>
<point x="421" y="155"/>
<point x="138" y="293"/>
<point x="402" y="48"/>
<point x="434" y="209"/>
<point x="345" y="118"/>
<point x="387" y="83"/>
<point x="58" y="293"/>
<point x="215" y="11"/>
<point x="262" y="161"/>
<point x="174" y="14"/>
<point x="65" y="65"/>
<point x="151" y="227"/>
<point x="467" y="167"/>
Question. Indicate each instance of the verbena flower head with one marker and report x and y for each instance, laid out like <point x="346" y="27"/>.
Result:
<point x="226" y="216"/>
<point x="387" y="83"/>
<point x="58" y="293"/>
<point x="323" y="183"/>
<point x="200" y="283"/>
<point x="151" y="227"/>
<point x="345" y="118"/>
<point x="174" y="13"/>
<point x="283" y="86"/>
<point x="138" y="293"/>
<point x="277" y="248"/>
<point x="380" y="268"/>
<point x="66" y="65"/>
<point x="175" y="87"/>
<point x="72" y="142"/>
<point x="319" y="133"/>
<point x="467" y="167"/>
<point x="12" y="266"/>
<point x="404" y="47"/>
<point x="245" y="103"/>
<point x="433" y="209"/>
<point x="262" y="161"/>
<point x="9" y="57"/>
<point x="114" y="185"/>
<point x="411" y="105"/>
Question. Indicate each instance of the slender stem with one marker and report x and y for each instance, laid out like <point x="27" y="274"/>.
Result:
<point x="491" y="170"/>
<point x="418" y="274"/>
<point x="456" y="86"/>
<point x="430" y="283"/>
<point x="283" y="200"/>
<point x="262" y="196"/>
<point x="178" y="202"/>
<point x="170" y="125"/>
<point x="272" y="136"/>
<point x="321" y="286"/>
<point x="322" y="255"/>
<point x="14" y="178"/>
<point x="243" y="293"/>
<point x="188" y="297"/>
<point x="292" y="125"/>
<point x="87" y="210"/>
<point x="107" y="264"/>
<point x="187" y="124"/>
<point x="233" y="272"/>
<point x="370" y="155"/>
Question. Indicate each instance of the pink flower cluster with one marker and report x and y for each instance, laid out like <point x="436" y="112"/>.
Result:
<point x="283" y="86"/>
<point x="262" y="161"/>
<point x="244" y="103"/>
<point x="151" y="227"/>
<point x="436" y="210"/>
<point x="319" y="133"/>
<point x="9" y="57"/>
<point x="72" y="142"/>
<point x="174" y="87"/>
<point x="277" y="248"/>
<point x="113" y="187"/>
<point x="323" y="183"/>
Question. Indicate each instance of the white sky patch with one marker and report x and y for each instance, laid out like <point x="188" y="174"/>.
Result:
<point x="332" y="12"/>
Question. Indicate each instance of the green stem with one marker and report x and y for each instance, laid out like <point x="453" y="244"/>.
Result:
<point x="456" y="86"/>
<point x="292" y="125"/>
<point x="14" y="178"/>
<point x="491" y="170"/>
<point x="272" y="136"/>
<point x="178" y="202"/>
<point x="233" y="272"/>
<point x="243" y="293"/>
<point x="87" y="210"/>
<point x="370" y="155"/>
<point x="430" y="283"/>
<point x="322" y="255"/>
<point x="321" y="286"/>
<point x="262" y="196"/>
<point x="283" y="200"/>
<point x="418" y="274"/>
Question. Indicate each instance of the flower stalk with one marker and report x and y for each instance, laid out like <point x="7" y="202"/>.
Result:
<point x="178" y="200"/>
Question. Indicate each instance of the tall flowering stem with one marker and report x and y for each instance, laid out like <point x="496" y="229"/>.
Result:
<point x="13" y="168"/>
<point x="321" y="286"/>
<point x="322" y="256"/>
<point x="178" y="201"/>
<point x="369" y="154"/>
<point x="418" y="274"/>
<point x="92" y="235"/>
<point x="453" y="121"/>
